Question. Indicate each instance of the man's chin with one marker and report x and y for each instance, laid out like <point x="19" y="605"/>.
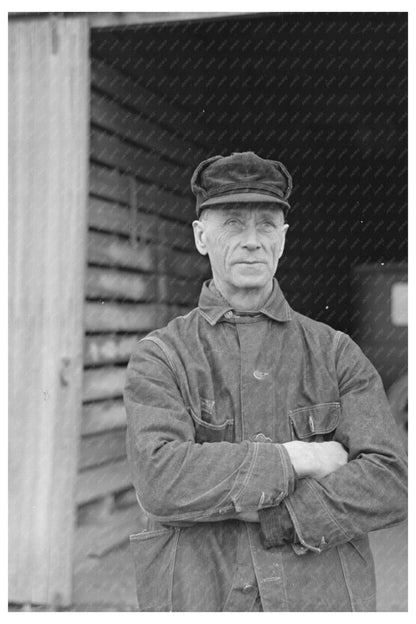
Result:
<point x="251" y="282"/>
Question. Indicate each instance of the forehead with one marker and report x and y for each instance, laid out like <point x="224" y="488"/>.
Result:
<point x="245" y="210"/>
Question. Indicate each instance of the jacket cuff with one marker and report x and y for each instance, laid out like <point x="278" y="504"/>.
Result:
<point x="321" y="534"/>
<point x="276" y="526"/>
<point x="268" y="479"/>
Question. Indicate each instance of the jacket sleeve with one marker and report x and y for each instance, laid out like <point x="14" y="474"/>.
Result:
<point x="177" y="479"/>
<point x="366" y="494"/>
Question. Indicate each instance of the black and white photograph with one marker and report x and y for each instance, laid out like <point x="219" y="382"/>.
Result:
<point x="208" y="311"/>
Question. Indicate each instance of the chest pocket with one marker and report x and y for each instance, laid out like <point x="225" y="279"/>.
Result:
<point x="210" y="426"/>
<point x="315" y="423"/>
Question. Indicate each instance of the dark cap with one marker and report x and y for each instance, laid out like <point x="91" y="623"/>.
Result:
<point x="241" y="177"/>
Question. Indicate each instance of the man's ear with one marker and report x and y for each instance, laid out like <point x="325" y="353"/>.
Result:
<point x="199" y="235"/>
<point x="285" y="228"/>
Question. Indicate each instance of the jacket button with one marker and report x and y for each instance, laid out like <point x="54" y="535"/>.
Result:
<point x="259" y="374"/>
<point x="260" y="437"/>
<point x="228" y="315"/>
<point x="248" y="588"/>
<point x="299" y="549"/>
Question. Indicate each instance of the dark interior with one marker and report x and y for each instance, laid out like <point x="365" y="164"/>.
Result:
<point x="323" y="93"/>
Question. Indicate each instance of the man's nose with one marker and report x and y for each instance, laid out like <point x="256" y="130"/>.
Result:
<point x="250" y="238"/>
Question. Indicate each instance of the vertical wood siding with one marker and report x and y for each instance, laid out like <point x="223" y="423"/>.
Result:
<point x="48" y="147"/>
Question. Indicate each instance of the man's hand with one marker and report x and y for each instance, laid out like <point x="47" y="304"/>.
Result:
<point x="309" y="459"/>
<point x="316" y="459"/>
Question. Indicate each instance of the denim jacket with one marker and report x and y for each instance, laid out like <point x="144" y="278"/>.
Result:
<point x="205" y="397"/>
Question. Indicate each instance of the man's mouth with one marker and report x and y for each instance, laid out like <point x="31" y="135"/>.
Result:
<point x="249" y="262"/>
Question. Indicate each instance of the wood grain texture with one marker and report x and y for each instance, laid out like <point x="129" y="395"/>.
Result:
<point x="131" y="92"/>
<point x="108" y="114"/>
<point x="143" y="270"/>
<point x="48" y="114"/>
<point x="116" y="284"/>
<point x="98" y="482"/>
<point x="128" y="317"/>
<point x="101" y="448"/>
<point x="184" y="263"/>
<point x="98" y="539"/>
<point x="103" y="383"/>
<point x="113" y="185"/>
<point x="109" y="250"/>
<point x="103" y="416"/>
<point x="179" y="291"/>
<point x="109" y="348"/>
<point x="114" y="152"/>
<point x="113" y="218"/>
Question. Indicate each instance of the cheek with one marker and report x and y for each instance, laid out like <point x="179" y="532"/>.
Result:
<point x="221" y="246"/>
<point x="272" y="247"/>
<point x="278" y="246"/>
<point x="217" y="252"/>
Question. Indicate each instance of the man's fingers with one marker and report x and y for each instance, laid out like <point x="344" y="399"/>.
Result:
<point x="316" y="459"/>
<point x="330" y="456"/>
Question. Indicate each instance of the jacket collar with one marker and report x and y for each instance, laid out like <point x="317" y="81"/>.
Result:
<point x="213" y="306"/>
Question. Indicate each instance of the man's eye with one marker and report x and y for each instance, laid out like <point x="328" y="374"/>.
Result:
<point x="232" y="222"/>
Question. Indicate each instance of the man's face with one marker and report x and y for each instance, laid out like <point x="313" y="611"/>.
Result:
<point x="244" y="243"/>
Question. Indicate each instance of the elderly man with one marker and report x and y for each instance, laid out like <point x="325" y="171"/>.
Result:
<point x="261" y="443"/>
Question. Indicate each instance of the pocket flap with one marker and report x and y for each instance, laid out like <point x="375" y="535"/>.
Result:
<point x="208" y="417"/>
<point x="315" y="419"/>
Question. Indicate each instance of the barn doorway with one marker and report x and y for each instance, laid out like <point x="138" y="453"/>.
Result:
<point x="307" y="89"/>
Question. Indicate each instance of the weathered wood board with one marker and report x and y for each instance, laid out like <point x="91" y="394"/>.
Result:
<point x="48" y="149"/>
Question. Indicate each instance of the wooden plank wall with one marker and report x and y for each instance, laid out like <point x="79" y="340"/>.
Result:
<point x="142" y="271"/>
<point x="48" y="168"/>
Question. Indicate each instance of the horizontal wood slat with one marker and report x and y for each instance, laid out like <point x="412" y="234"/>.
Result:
<point x="177" y="290"/>
<point x="101" y="481"/>
<point x="135" y="128"/>
<point x="98" y="539"/>
<point x="109" y="183"/>
<point x="177" y="235"/>
<point x="103" y="383"/>
<point x="113" y="218"/>
<point x="102" y="416"/>
<point x="129" y="317"/>
<point x="108" y="283"/>
<point x="125" y="499"/>
<point x="113" y="152"/>
<point x="141" y="249"/>
<point x="113" y="185"/>
<point x="109" y="250"/>
<point x="184" y="264"/>
<point x="98" y="510"/>
<point x="101" y="448"/>
<point x="131" y="92"/>
<point x="109" y="349"/>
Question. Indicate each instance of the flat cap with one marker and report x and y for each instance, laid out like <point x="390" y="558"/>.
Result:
<point x="241" y="177"/>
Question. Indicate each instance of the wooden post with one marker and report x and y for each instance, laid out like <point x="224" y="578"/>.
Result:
<point x="48" y="148"/>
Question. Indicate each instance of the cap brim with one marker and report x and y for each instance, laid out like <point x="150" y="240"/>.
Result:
<point x="243" y="198"/>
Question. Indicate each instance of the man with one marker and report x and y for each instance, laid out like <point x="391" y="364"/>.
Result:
<point x="261" y="443"/>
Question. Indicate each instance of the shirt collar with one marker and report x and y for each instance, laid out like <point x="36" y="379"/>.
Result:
<point x="213" y="306"/>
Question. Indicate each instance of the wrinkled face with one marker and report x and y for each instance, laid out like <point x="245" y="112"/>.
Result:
<point x="244" y="243"/>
